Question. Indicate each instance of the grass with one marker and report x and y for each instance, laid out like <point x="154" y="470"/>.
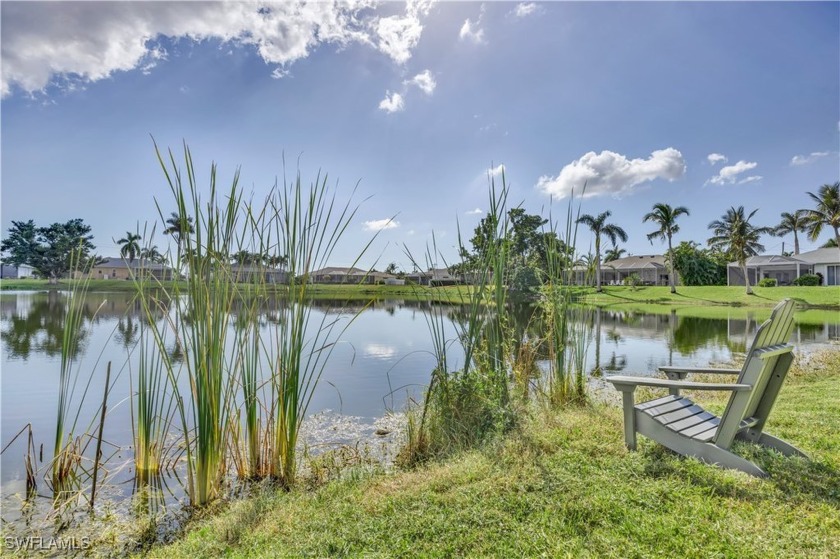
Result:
<point x="563" y="485"/>
<point x="827" y="297"/>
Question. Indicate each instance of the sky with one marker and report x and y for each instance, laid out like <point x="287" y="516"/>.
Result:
<point x="411" y="107"/>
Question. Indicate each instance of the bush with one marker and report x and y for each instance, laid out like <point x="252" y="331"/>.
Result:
<point x="633" y="280"/>
<point x="767" y="282"/>
<point x="808" y="279"/>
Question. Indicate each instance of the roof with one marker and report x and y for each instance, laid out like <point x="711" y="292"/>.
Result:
<point x="821" y="256"/>
<point x="137" y="263"/>
<point x="351" y="272"/>
<point x="771" y="260"/>
<point x="636" y="262"/>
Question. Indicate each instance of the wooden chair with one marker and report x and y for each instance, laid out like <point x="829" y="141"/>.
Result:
<point x="683" y="426"/>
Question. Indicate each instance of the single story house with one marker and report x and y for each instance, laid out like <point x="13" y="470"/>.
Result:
<point x="337" y="275"/>
<point x="651" y="269"/>
<point x="784" y="269"/>
<point x="7" y="271"/>
<point x="247" y="273"/>
<point x="434" y="277"/>
<point x="117" y="268"/>
<point x="824" y="261"/>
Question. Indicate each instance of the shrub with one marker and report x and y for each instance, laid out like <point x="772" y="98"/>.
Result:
<point x="808" y="279"/>
<point x="633" y="280"/>
<point x="768" y="282"/>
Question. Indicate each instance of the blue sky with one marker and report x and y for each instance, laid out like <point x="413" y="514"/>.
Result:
<point x="706" y="105"/>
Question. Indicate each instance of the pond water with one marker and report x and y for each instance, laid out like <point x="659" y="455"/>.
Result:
<point x="384" y="358"/>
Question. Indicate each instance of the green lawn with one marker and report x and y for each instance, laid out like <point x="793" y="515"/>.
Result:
<point x="822" y="297"/>
<point x="563" y="485"/>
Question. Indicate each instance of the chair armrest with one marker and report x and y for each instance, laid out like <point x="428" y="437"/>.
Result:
<point x="624" y="384"/>
<point x="700" y="370"/>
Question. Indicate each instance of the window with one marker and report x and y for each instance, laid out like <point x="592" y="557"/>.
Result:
<point x="832" y="275"/>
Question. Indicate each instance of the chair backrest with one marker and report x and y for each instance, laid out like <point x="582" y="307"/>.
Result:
<point x="767" y="363"/>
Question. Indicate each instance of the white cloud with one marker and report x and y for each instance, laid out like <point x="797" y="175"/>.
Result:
<point x="425" y="81"/>
<point x="380" y="224"/>
<point x="752" y="178"/>
<point x="470" y="31"/>
<point x="398" y="35"/>
<point x="477" y="211"/>
<point x="715" y="158"/>
<point x="392" y="103"/>
<point x="497" y="170"/>
<point x="525" y="8"/>
<point x="612" y="173"/>
<point x="807" y="159"/>
<point x="729" y="174"/>
<point x="76" y="43"/>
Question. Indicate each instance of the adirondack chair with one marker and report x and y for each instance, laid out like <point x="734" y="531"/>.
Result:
<point x="683" y="426"/>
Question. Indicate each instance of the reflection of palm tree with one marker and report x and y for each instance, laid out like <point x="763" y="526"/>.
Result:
<point x="130" y="246"/>
<point x="666" y="218"/>
<point x="599" y="226"/>
<point x="127" y="332"/>
<point x="734" y="234"/>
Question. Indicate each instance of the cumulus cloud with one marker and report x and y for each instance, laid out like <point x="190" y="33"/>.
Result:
<point x="612" y="173"/>
<point x="808" y="159"/>
<point x="752" y="178"/>
<point x="472" y="30"/>
<point x="399" y="34"/>
<point x="525" y="9"/>
<point x="425" y="81"/>
<point x="497" y="170"/>
<point x="477" y="211"/>
<point x="380" y="225"/>
<point x="715" y="158"/>
<point x="48" y="43"/>
<point x="392" y="103"/>
<point x="729" y="174"/>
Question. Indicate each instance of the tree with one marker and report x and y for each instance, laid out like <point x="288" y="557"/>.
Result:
<point x="614" y="254"/>
<point x="792" y="223"/>
<point x="831" y="243"/>
<point x="599" y="226"/>
<point x="391" y="268"/>
<point x="152" y="254"/>
<point x="179" y="227"/>
<point x="698" y="266"/>
<point x="21" y="244"/>
<point x="738" y="237"/>
<point x="130" y="245"/>
<point x="54" y="250"/>
<point x="827" y="212"/>
<point x="666" y="217"/>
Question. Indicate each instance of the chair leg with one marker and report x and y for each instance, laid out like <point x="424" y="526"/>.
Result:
<point x="629" y="419"/>
<point x="712" y="454"/>
<point x="776" y="444"/>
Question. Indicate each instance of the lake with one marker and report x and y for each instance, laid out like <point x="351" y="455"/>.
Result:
<point x="383" y="358"/>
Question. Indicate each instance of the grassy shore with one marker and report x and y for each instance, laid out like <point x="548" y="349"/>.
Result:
<point x="564" y="485"/>
<point x="827" y="298"/>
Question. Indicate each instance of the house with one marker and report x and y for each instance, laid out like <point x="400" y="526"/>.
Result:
<point x="7" y="271"/>
<point x="784" y="269"/>
<point x="434" y="277"/>
<point x="824" y="261"/>
<point x="117" y="268"/>
<point x="650" y="268"/>
<point x="249" y="273"/>
<point x="336" y="275"/>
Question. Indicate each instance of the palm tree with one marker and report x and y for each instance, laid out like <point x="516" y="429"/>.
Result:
<point x="735" y="235"/>
<point x="792" y="223"/>
<point x="130" y="245"/>
<point x="614" y="254"/>
<point x="152" y="254"/>
<point x="599" y="226"/>
<point x="827" y="212"/>
<point x="666" y="217"/>
<point x="179" y="226"/>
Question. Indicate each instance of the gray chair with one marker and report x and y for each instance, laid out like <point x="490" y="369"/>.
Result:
<point x="678" y="423"/>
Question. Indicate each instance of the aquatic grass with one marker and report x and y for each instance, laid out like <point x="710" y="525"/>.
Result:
<point x="310" y="222"/>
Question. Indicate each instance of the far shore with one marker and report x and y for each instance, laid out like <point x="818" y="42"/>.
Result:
<point x="618" y="297"/>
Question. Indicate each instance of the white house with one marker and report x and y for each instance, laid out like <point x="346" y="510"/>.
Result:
<point x="824" y="261"/>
